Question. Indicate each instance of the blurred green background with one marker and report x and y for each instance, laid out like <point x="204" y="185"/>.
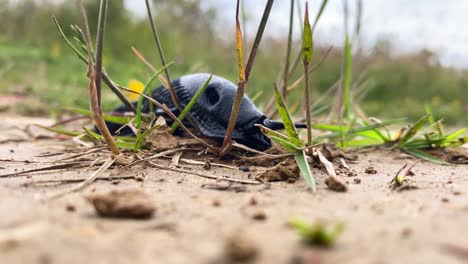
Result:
<point x="35" y="64"/>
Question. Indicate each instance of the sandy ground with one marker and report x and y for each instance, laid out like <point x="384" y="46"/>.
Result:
<point x="192" y="224"/>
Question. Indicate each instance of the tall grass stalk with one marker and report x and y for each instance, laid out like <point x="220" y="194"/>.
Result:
<point x="95" y="74"/>
<point x="307" y="53"/>
<point x="347" y="71"/>
<point x="243" y="73"/>
<point x="162" y="57"/>
<point x="288" y="52"/>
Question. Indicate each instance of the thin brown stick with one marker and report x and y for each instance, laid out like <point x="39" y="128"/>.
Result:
<point x="163" y="80"/>
<point x="271" y="103"/>
<point x="77" y="180"/>
<point x="315" y="67"/>
<point x="86" y="182"/>
<point x="204" y="175"/>
<point x="155" y="156"/>
<point x="48" y="168"/>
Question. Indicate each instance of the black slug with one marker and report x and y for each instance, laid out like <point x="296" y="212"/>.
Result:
<point x="211" y="112"/>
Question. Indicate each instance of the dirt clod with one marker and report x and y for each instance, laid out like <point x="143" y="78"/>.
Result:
<point x="336" y="184"/>
<point x="370" y="170"/>
<point x="239" y="248"/>
<point x="216" y="203"/>
<point x="259" y="216"/>
<point x="70" y="208"/>
<point x="207" y="165"/>
<point x="161" y="140"/>
<point x="357" y="180"/>
<point x="406" y="232"/>
<point x="282" y="172"/>
<point x="332" y="152"/>
<point x="130" y="203"/>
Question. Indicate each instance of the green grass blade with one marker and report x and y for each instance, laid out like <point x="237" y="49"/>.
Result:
<point x="423" y="155"/>
<point x="141" y="138"/>
<point x="287" y="120"/>
<point x="274" y="133"/>
<point x="418" y="125"/>
<point x="145" y="91"/>
<point x="120" y="120"/>
<point x="322" y="7"/>
<point x="60" y="130"/>
<point x="189" y="106"/>
<point x="456" y="134"/>
<point x="65" y="38"/>
<point x="355" y="131"/>
<point x="301" y="160"/>
<point x="347" y="77"/>
<point x="285" y="143"/>
<point x="92" y="134"/>
<point x="119" y="142"/>
<point x="360" y="143"/>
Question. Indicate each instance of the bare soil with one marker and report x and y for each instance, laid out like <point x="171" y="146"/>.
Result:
<point x="194" y="221"/>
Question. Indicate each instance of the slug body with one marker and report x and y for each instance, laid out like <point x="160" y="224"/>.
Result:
<point x="210" y="114"/>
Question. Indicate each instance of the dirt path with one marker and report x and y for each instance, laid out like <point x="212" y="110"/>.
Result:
<point x="192" y="224"/>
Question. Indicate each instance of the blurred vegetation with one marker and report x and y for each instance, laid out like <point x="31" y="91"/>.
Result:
<point x="35" y="62"/>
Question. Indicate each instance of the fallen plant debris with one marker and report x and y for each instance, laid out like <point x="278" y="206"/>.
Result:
<point x="131" y="203"/>
<point x="401" y="182"/>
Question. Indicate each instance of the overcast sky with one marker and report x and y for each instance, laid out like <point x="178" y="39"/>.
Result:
<point x="439" y="25"/>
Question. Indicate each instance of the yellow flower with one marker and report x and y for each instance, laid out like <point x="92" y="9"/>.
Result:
<point x="136" y="86"/>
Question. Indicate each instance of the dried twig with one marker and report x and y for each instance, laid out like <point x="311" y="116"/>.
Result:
<point x="86" y="182"/>
<point x="48" y="168"/>
<point x="77" y="180"/>
<point x="163" y="80"/>
<point x="204" y="175"/>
